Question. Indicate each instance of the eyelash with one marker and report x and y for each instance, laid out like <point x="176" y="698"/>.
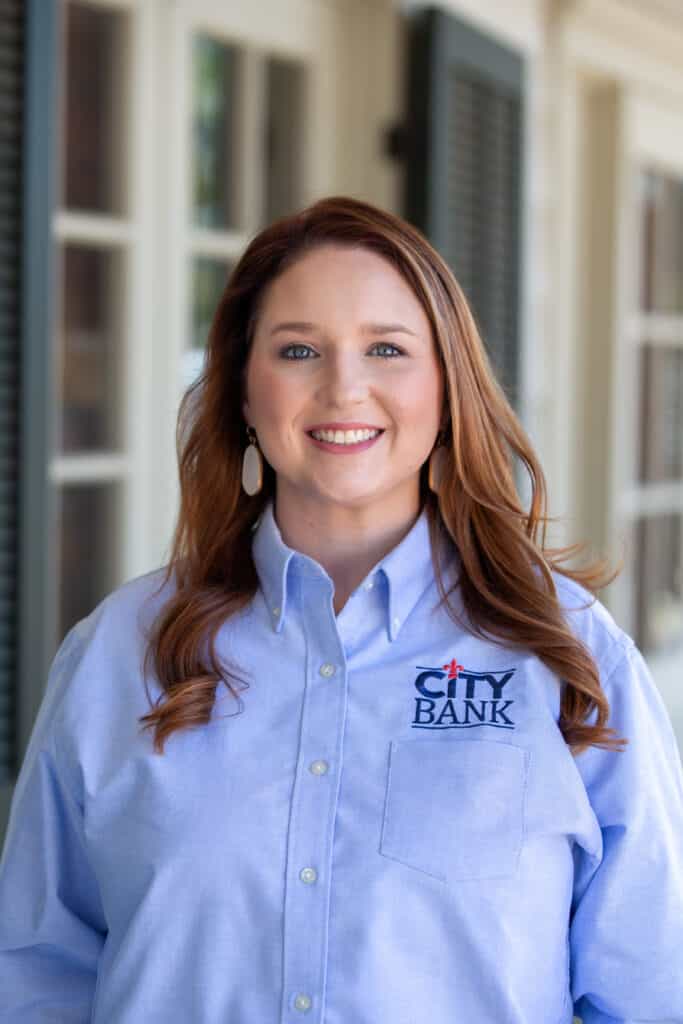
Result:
<point x="287" y="348"/>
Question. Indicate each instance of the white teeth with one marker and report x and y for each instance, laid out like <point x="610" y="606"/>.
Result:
<point x="344" y="436"/>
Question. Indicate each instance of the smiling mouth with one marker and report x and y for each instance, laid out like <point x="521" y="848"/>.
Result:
<point x="344" y="447"/>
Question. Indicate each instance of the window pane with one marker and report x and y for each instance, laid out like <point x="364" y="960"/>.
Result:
<point x="89" y="350"/>
<point x="659" y="582"/>
<point x="88" y="531"/>
<point x="284" y="137"/>
<point x="662" y="213"/>
<point x="209" y="277"/>
<point x="661" y="413"/>
<point x="93" y="132"/>
<point x="214" y="125"/>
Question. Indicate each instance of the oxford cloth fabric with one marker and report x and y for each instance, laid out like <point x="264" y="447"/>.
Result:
<point x="391" y="831"/>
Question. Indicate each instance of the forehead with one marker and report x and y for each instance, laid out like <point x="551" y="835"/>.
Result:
<point x="339" y="282"/>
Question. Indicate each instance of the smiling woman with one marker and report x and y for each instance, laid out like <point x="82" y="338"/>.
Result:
<point x="294" y="346"/>
<point x="454" y="765"/>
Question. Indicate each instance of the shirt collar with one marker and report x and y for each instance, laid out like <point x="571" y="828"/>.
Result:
<point x="407" y="568"/>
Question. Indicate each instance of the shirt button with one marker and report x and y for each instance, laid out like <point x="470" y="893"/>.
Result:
<point x="397" y="623"/>
<point x="327" y="669"/>
<point x="308" y="874"/>
<point x="302" y="1002"/>
<point x="318" y="767"/>
<point x="368" y="585"/>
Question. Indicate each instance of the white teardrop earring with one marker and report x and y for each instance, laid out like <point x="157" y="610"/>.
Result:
<point x="437" y="463"/>
<point x="252" y="465"/>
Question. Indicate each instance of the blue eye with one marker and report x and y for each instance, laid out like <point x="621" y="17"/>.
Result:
<point x="288" y="348"/>
<point x="285" y="353"/>
<point x="386" y="344"/>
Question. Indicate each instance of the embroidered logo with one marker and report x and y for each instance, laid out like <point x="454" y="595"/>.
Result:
<point x="453" y="697"/>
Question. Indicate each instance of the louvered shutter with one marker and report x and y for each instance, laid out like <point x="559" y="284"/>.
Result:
<point x="463" y="178"/>
<point x="11" y="134"/>
<point x="29" y="32"/>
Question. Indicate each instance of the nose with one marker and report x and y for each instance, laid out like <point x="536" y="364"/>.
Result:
<point x="345" y="381"/>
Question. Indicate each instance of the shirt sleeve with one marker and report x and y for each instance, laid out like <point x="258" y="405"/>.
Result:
<point x="626" y="924"/>
<point x="52" y="926"/>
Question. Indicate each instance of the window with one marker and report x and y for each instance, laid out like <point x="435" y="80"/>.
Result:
<point x="89" y="459"/>
<point x="246" y="165"/>
<point x="658" y="491"/>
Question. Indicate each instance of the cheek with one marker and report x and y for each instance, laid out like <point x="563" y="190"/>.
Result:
<point x="417" y="403"/>
<point x="274" y="397"/>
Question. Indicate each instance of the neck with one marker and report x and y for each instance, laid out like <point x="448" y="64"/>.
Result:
<point x="346" y="540"/>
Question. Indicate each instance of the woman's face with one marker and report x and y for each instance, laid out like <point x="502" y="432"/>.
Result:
<point x="343" y="343"/>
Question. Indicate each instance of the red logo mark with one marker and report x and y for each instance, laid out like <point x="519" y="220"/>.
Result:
<point x="452" y="668"/>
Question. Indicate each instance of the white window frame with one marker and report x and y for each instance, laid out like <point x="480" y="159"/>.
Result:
<point x="124" y="237"/>
<point x="651" y="134"/>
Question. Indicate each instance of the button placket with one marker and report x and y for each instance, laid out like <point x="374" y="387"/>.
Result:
<point x="307" y="896"/>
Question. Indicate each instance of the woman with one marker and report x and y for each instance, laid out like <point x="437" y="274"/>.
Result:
<point x="418" y="811"/>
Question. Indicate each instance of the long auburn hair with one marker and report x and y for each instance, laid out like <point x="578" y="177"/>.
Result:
<point x="507" y="588"/>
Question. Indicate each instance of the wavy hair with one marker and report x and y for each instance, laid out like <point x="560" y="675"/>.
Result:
<point x="506" y="582"/>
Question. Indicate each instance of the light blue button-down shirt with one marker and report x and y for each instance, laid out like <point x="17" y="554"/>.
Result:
<point x="392" y="831"/>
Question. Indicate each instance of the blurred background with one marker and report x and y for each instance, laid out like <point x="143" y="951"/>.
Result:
<point x="537" y="143"/>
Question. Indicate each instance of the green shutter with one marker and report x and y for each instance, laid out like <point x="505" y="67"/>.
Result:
<point x="29" y="32"/>
<point x="463" y="183"/>
<point x="11" y="133"/>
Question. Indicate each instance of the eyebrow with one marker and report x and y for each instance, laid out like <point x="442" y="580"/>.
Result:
<point x="306" y="325"/>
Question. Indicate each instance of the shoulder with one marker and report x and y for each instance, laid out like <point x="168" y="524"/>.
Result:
<point x="592" y="623"/>
<point x="624" y="674"/>
<point x="109" y="643"/>
<point x="93" y="688"/>
<point x="129" y="609"/>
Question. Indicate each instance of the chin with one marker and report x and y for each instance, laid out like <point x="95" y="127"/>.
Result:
<point x="349" y="497"/>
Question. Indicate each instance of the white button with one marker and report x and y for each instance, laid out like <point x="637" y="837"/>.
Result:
<point x="397" y="623"/>
<point x="308" y="874"/>
<point x="368" y="585"/>
<point x="318" y="767"/>
<point x="276" y="611"/>
<point x="302" y="1002"/>
<point x="327" y="669"/>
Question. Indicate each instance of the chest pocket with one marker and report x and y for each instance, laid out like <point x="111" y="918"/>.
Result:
<point x="456" y="810"/>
